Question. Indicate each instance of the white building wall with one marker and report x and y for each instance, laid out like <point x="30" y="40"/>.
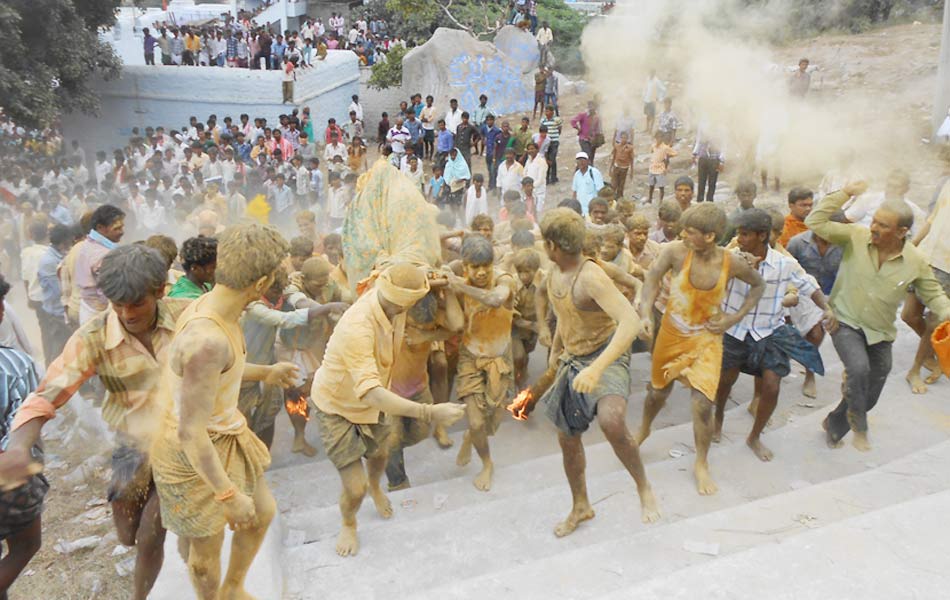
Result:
<point x="165" y="95"/>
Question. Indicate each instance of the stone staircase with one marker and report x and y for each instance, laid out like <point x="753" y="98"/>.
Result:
<point x="814" y="522"/>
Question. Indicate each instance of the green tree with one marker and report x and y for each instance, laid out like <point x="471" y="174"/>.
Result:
<point x="388" y="73"/>
<point x="49" y="52"/>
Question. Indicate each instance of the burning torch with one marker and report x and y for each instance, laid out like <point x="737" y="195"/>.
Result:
<point x="524" y="402"/>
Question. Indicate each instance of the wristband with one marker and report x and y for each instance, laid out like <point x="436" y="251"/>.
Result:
<point x="426" y="415"/>
<point x="226" y="495"/>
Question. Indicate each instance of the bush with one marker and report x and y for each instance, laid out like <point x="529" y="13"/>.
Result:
<point x="389" y="72"/>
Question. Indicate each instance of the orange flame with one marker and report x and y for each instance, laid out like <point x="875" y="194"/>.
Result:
<point x="297" y="407"/>
<point x="518" y="406"/>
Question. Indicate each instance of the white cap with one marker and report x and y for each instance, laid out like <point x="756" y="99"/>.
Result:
<point x="582" y="155"/>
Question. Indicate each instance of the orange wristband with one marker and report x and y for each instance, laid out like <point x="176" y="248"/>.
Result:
<point x="226" y="495"/>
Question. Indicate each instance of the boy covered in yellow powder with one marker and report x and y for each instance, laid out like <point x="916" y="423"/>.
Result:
<point x="484" y="376"/>
<point x="688" y="347"/>
<point x="524" y="331"/>
<point x="305" y="346"/>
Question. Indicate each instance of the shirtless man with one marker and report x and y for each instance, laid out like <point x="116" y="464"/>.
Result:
<point x="126" y="343"/>
<point x="688" y="346"/>
<point x="433" y="319"/>
<point x="350" y="391"/>
<point x="596" y="326"/>
<point x="485" y="374"/>
<point x="208" y="464"/>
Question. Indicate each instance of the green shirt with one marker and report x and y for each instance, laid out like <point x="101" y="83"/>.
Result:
<point x="867" y="297"/>
<point x="186" y="288"/>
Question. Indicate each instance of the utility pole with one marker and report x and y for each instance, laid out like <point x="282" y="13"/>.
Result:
<point x="942" y="99"/>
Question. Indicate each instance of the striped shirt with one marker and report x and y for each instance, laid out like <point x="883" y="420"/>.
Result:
<point x="779" y="272"/>
<point x="128" y="371"/>
<point x="17" y="380"/>
<point x="554" y="126"/>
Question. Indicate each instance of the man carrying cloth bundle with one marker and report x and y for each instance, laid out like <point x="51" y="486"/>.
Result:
<point x="350" y="392"/>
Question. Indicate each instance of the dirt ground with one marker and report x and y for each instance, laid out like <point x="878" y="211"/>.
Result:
<point x="897" y="64"/>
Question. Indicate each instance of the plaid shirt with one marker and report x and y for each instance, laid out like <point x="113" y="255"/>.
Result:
<point x="779" y="272"/>
<point x="128" y="371"/>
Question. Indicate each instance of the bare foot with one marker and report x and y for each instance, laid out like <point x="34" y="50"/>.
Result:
<point x="483" y="479"/>
<point x="717" y="434"/>
<point x="649" y="509"/>
<point x="704" y="482"/>
<point x="764" y="454"/>
<point x="228" y="592"/>
<point x="642" y="434"/>
<point x="832" y="443"/>
<point x="465" y="452"/>
<point x="442" y="437"/>
<point x="383" y="506"/>
<point x="809" y="389"/>
<point x="346" y="543"/>
<point x="400" y="486"/>
<point x="860" y="441"/>
<point x="934" y="377"/>
<point x="917" y="384"/>
<point x="578" y="515"/>
<point x="931" y="364"/>
<point x="302" y="447"/>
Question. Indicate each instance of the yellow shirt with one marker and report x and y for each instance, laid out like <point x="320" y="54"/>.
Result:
<point x="359" y="358"/>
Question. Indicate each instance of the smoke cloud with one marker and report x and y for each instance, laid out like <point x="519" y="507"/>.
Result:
<point x="729" y="80"/>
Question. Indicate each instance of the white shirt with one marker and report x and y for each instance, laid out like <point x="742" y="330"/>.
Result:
<point x="453" y="119"/>
<point x="475" y="204"/>
<point x="357" y="108"/>
<point x="655" y="90"/>
<point x="861" y="210"/>
<point x="509" y="178"/>
<point x="331" y="150"/>
<point x="398" y="138"/>
<point x="303" y="181"/>
<point x="537" y="170"/>
<point x="545" y="36"/>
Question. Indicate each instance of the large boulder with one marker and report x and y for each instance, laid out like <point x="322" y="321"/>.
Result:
<point x="520" y="46"/>
<point x="453" y="64"/>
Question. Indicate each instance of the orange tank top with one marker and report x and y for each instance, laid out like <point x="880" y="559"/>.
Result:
<point x="581" y="331"/>
<point x="690" y="308"/>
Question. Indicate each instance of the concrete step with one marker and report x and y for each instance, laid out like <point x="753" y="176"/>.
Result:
<point x="666" y="553"/>
<point x="315" y="484"/>
<point x="493" y="535"/>
<point x="315" y="512"/>
<point x="896" y="552"/>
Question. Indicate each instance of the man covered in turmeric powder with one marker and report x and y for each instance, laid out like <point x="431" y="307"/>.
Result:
<point x="351" y="392"/>
<point x="688" y="347"/>
<point x="207" y="463"/>
<point x="596" y="326"/>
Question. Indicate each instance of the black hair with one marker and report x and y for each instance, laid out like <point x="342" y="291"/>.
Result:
<point x="198" y="252"/>
<point x="755" y="220"/>
<point x="105" y="216"/>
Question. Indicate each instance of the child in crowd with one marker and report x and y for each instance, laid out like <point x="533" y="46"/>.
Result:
<point x="524" y="331"/>
<point x="476" y="198"/>
<point x="661" y="152"/>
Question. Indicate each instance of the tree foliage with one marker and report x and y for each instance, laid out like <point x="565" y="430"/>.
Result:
<point x="388" y="73"/>
<point x="49" y="51"/>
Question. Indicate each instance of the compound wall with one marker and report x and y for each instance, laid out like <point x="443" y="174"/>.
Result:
<point x="165" y="95"/>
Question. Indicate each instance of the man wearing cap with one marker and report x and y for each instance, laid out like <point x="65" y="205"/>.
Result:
<point x="588" y="180"/>
<point x="351" y="396"/>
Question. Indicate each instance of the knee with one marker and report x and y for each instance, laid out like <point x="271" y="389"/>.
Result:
<point x="614" y="428"/>
<point x="266" y="510"/>
<point x="200" y="567"/>
<point x="702" y="408"/>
